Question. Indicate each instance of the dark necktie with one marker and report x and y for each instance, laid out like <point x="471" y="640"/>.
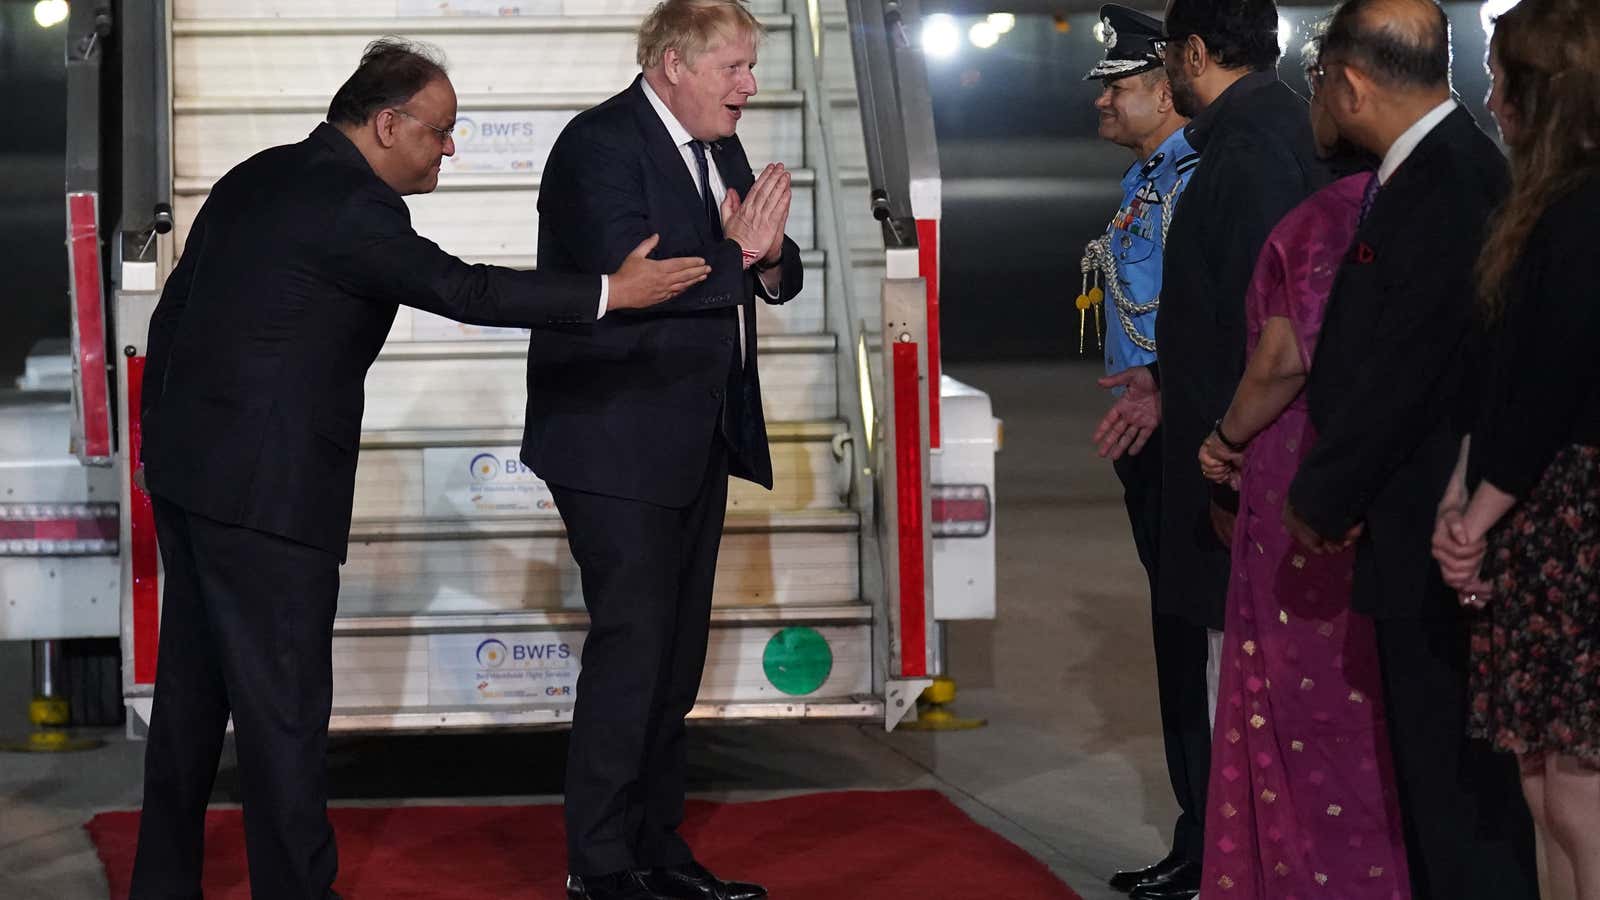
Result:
<point x="1368" y="197"/>
<point x="708" y="199"/>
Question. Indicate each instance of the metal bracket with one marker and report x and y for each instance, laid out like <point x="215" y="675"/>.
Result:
<point x="900" y="699"/>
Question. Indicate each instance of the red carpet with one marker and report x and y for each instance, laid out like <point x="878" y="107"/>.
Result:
<point x="893" y="845"/>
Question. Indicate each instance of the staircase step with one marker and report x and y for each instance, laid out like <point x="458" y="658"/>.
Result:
<point x="485" y="54"/>
<point x="373" y="9"/>
<point x="481" y="384"/>
<point x="539" y="665"/>
<point x="353" y="720"/>
<point x="494" y="132"/>
<point x="474" y="474"/>
<point x="805" y="314"/>
<point x="538" y="620"/>
<point x="410" y="568"/>
<point x="475" y="214"/>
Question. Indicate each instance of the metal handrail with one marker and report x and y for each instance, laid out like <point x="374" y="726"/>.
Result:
<point x="858" y="403"/>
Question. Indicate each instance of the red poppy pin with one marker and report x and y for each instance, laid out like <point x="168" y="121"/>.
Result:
<point x="1364" y="253"/>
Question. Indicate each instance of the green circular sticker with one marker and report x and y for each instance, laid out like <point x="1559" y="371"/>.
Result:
<point x="797" y="660"/>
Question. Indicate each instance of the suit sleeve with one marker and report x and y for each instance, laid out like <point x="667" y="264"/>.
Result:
<point x="1394" y="402"/>
<point x="168" y="315"/>
<point x="1263" y="182"/>
<point x="384" y="259"/>
<point x="595" y="201"/>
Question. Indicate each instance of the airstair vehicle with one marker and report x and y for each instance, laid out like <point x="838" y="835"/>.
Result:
<point x="460" y="606"/>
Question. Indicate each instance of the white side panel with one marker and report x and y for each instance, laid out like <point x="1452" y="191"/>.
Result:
<point x="59" y="597"/>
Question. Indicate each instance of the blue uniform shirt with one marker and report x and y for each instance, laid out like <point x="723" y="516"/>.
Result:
<point x="1133" y="242"/>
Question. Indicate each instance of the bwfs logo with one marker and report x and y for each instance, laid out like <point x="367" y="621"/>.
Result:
<point x="492" y="654"/>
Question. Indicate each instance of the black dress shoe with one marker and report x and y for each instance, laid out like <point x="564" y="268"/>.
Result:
<point x="1182" y="883"/>
<point x="624" y="885"/>
<point x="692" y="881"/>
<point x="1128" y="880"/>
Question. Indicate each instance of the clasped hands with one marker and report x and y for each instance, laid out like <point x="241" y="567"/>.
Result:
<point x="756" y="222"/>
<point x="1459" y="551"/>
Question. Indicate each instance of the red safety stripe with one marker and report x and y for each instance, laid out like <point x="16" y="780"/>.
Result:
<point x="908" y="474"/>
<point x="87" y="528"/>
<point x="84" y="240"/>
<point x="143" y="551"/>
<point x="928" y="267"/>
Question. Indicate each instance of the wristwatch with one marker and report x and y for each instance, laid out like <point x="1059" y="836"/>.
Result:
<point x="1237" y="448"/>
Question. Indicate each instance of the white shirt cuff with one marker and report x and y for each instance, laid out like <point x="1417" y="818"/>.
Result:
<point x="761" y="283"/>
<point x="605" y="294"/>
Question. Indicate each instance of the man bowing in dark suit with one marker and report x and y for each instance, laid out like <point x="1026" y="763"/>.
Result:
<point x="253" y="392"/>
<point x="1387" y="399"/>
<point x="637" y="421"/>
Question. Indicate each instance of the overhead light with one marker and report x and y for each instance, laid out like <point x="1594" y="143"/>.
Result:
<point x="940" y="36"/>
<point x="1491" y="10"/>
<point x="983" y="35"/>
<point x="1285" y="33"/>
<point x="1002" y="22"/>
<point x="49" y="13"/>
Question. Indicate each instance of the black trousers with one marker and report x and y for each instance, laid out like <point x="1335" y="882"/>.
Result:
<point x="647" y="577"/>
<point x="1467" y="827"/>
<point x="246" y="630"/>
<point x="1180" y="649"/>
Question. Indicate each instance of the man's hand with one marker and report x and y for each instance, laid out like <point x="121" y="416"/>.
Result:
<point x="757" y="221"/>
<point x="1307" y="537"/>
<point x="642" y="281"/>
<point x="1133" y="417"/>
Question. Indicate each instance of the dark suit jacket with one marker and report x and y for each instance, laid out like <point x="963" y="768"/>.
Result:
<point x="288" y="284"/>
<point x="1257" y="162"/>
<point x="628" y="406"/>
<point x="1386" y="387"/>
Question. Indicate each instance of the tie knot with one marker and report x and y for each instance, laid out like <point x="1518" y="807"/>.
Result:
<point x="699" y="150"/>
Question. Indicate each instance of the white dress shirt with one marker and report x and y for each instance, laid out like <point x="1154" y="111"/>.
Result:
<point x="682" y="138"/>
<point x="1408" y="140"/>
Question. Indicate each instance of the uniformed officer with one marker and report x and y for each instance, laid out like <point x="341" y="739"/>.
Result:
<point x="1122" y="271"/>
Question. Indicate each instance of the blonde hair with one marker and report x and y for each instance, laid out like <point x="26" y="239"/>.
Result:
<point x="692" y="27"/>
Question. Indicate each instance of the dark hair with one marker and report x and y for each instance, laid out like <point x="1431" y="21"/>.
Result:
<point x="1239" y="34"/>
<point x="1395" y="50"/>
<point x="392" y="71"/>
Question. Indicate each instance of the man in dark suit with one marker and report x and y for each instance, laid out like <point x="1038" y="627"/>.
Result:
<point x="251" y="411"/>
<point x="1387" y="399"/>
<point x="637" y="422"/>
<point x="1257" y="162"/>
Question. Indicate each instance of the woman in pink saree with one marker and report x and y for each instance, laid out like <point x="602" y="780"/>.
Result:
<point x="1302" y="802"/>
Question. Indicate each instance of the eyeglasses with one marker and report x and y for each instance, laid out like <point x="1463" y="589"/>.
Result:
<point x="443" y="133"/>
<point x="1316" y="74"/>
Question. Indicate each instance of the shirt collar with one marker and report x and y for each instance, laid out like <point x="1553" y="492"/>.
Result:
<point x="1174" y="148"/>
<point x="1408" y="140"/>
<point x="680" y="134"/>
<point x="1200" y="127"/>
